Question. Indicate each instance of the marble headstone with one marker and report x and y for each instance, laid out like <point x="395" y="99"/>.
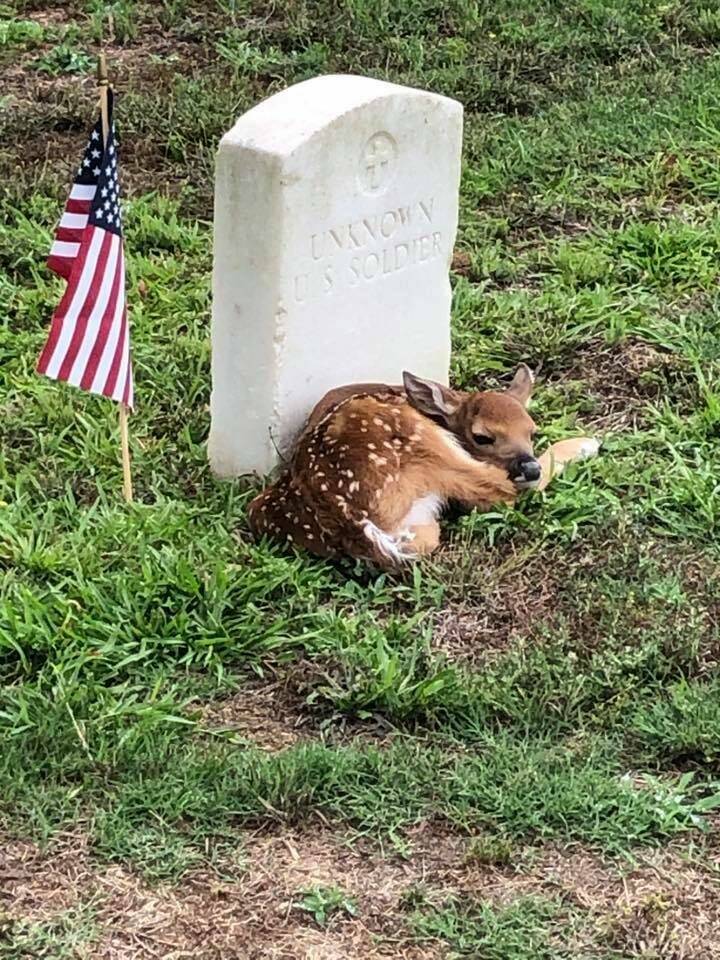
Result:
<point x="336" y="206"/>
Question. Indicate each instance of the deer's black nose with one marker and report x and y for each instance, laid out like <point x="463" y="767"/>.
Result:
<point x="524" y="469"/>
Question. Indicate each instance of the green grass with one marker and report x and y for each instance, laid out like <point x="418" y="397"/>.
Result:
<point x="584" y="704"/>
<point x="64" y="937"/>
<point x="519" y="932"/>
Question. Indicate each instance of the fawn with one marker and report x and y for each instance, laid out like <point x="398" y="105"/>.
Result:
<point x="376" y="464"/>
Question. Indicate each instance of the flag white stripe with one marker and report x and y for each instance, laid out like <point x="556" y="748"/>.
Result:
<point x="93" y="323"/>
<point x="83" y="191"/>
<point x="81" y="292"/>
<point x="61" y="248"/>
<point x="103" y="369"/>
<point x="74" y="221"/>
<point x="131" y="391"/>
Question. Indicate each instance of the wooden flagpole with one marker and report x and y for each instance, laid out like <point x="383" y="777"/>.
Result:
<point x="123" y="410"/>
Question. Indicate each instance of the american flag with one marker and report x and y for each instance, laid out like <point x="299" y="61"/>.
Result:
<point x="89" y="341"/>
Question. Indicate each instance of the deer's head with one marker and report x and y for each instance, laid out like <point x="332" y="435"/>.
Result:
<point x="493" y="426"/>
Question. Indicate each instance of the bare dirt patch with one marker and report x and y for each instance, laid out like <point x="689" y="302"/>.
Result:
<point x="461" y="263"/>
<point x="275" y="716"/>
<point x="666" y="906"/>
<point x="665" y="903"/>
<point x="212" y="918"/>
<point x="497" y="601"/>
<point x="46" y="117"/>
<point x="512" y="608"/>
<point x="507" y="598"/>
<point x="620" y="379"/>
<point x="35" y="885"/>
<point x="266" y="714"/>
<point x="50" y="16"/>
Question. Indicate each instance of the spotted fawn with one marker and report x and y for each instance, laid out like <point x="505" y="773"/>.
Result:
<point x="376" y="464"/>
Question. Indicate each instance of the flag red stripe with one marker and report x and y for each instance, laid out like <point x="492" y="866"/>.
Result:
<point x="86" y="307"/>
<point x="95" y="316"/>
<point x="104" y="329"/>
<point x="76" y="268"/>
<point x="70" y="235"/>
<point x="108" y="353"/>
<point x="109" y="388"/>
<point x="78" y="206"/>
<point x="63" y="266"/>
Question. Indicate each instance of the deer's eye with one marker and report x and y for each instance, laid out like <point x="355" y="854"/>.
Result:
<point x="482" y="440"/>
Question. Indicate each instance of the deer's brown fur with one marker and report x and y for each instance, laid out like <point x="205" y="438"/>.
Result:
<point x="375" y="464"/>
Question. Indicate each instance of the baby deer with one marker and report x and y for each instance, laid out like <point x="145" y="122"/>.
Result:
<point x="375" y="465"/>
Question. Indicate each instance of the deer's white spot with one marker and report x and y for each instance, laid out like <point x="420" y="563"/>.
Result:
<point x="423" y="511"/>
<point x="452" y="442"/>
<point x="384" y="543"/>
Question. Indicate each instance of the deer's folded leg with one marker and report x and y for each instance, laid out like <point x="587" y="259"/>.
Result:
<point x="424" y="538"/>
<point x="560" y="454"/>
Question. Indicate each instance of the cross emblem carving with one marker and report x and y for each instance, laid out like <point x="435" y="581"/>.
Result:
<point x="378" y="157"/>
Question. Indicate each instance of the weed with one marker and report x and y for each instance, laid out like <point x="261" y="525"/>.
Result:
<point x="20" y="33"/>
<point x="325" y="902"/>
<point x="64" y="59"/>
<point x="496" y="850"/>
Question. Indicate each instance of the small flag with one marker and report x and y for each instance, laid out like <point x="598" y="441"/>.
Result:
<point x="89" y="341"/>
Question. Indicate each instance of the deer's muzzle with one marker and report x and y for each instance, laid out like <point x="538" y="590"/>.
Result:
<point x="524" y="471"/>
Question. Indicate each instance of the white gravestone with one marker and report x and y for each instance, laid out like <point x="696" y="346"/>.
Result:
<point x="336" y="207"/>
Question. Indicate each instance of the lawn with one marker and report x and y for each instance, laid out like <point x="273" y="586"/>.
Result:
<point x="211" y="748"/>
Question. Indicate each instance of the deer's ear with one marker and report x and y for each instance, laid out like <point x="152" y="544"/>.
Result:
<point x="522" y="384"/>
<point x="430" y="398"/>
